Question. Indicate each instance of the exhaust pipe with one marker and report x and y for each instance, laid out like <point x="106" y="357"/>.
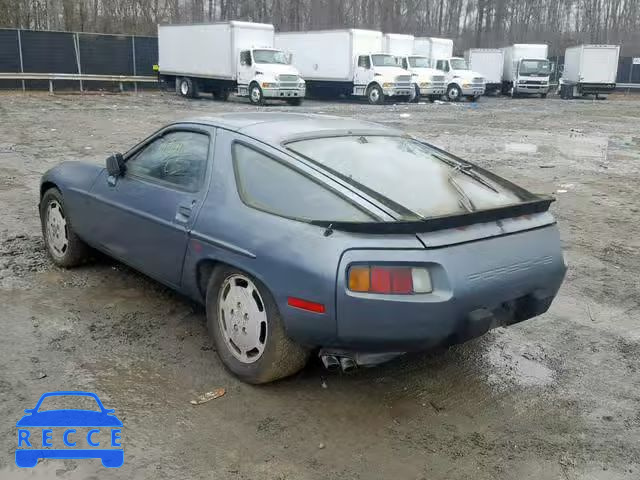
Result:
<point x="347" y="364"/>
<point x="330" y="362"/>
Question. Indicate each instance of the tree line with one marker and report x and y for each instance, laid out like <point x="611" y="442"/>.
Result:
<point x="471" y="23"/>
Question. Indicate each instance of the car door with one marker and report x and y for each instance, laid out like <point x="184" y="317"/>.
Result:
<point x="245" y="67"/>
<point x="363" y="70"/>
<point x="143" y="217"/>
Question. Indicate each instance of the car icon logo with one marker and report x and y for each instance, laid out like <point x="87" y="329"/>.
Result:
<point x="78" y="433"/>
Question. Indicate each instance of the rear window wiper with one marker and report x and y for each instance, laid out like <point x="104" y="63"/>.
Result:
<point x="468" y="171"/>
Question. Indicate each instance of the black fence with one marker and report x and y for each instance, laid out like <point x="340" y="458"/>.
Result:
<point x="35" y="51"/>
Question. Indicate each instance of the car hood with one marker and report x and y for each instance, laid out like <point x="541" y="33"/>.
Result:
<point x="466" y="74"/>
<point x="69" y="418"/>
<point x="274" y="70"/>
<point x="391" y="71"/>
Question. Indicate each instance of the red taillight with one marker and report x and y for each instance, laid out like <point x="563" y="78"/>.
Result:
<point x="389" y="279"/>
<point x="305" y="305"/>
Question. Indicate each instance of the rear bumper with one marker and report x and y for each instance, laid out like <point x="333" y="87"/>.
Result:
<point x="477" y="286"/>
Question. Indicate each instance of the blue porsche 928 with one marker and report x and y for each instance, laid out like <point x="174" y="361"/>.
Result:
<point x="306" y="233"/>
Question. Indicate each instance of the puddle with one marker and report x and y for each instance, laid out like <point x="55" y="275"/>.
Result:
<point x="520" y="148"/>
<point x="521" y="365"/>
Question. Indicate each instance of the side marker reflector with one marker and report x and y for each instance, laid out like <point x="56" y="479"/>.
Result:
<point x="305" y="305"/>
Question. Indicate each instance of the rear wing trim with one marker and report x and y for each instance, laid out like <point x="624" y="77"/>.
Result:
<point x="538" y="205"/>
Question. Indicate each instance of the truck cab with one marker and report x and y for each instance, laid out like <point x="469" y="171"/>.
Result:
<point x="532" y="77"/>
<point x="460" y="81"/>
<point x="268" y="72"/>
<point x="377" y="75"/>
<point x="427" y="82"/>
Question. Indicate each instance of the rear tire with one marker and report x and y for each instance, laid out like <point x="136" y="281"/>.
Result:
<point x="275" y="355"/>
<point x="63" y="245"/>
<point x="187" y="87"/>
<point x="222" y="94"/>
<point x="543" y="95"/>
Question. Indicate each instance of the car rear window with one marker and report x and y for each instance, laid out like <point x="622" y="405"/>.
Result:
<point x="269" y="185"/>
<point x="407" y="173"/>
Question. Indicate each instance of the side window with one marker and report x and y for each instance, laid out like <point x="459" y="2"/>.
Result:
<point x="363" y="61"/>
<point x="445" y="65"/>
<point x="440" y="65"/>
<point x="245" y="57"/>
<point x="269" y="185"/>
<point x="177" y="159"/>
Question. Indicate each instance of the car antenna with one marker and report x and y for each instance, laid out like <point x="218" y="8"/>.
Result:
<point x="328" y="231"/>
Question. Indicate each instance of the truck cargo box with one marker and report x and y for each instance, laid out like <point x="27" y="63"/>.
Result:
<point x="398" y="44"/>
<point x="486" y="61"/>
<point x="328" y="54"/>
<point x="208" y="50"/>
<point x="591" y="64"/>
<point x="433" y="48"/>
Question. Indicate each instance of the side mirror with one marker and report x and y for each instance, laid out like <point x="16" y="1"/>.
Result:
<point x="115" y="165"/>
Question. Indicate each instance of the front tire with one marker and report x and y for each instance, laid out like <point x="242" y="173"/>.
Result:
<point x="256" y="96"/>
<point x="453" y="93"/>
<point x="375" y="95"/>
<point x="64" y="247"/>
<point x="247" y="329"/>
<point x="543" y="95"/>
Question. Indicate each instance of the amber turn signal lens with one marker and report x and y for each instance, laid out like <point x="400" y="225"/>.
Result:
<point x="359" y="279"/>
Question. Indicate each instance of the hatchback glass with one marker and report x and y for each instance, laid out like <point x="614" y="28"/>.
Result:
<point x="414" y="179"/>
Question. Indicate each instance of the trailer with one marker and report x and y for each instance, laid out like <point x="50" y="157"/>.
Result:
<point x="220" y="58"/>
<point x="526" y="70"/>
<point x="489" y="63"/>
<point x="347" y="62"/>
<point x="427" y="82"/>
<point x="589" y="70"/>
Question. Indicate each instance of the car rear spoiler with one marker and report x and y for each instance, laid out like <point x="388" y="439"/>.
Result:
<point x="539" y="205"/>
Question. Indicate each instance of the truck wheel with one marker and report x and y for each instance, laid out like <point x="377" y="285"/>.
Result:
<point x="64" y="247"/>
<point x="543" y="95"/>
<point x="453" y="93"/>
<point x="187" y="87"/>
<point x="256" y="96"/>
<point x="375" y="95"/>
<point x="247" y="329"/>
<point x="295" y="102"/>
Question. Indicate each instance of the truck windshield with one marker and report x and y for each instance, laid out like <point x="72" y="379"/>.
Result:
<point x="270" y="56"/>
<point x="459" y="64"/>
<point x="535" y="67"/>
<point x="419" y="62"/>
<point x="413" y="179"/>
<point x="384" y="61"/>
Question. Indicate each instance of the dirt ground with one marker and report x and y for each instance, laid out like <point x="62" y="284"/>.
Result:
<point x="557" y="397"/>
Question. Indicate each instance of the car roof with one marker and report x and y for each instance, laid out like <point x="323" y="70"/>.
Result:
<point x="281" y="127"/>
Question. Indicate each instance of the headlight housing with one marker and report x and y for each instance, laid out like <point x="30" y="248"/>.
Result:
<point x="387" y="85"/>
<point x="425" y="84"/>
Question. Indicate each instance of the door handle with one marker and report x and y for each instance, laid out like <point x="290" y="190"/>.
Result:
<point x="184" y="212"/>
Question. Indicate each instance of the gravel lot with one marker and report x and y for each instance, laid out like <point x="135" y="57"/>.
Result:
<point x="557" y="397"/>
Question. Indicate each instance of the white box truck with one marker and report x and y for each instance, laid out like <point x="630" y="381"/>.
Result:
<point x="526" y="70"/>
<point x="589" y="69"/>
<point x="346" y="62"/>
<point x="219" y="58"/>
<point x="427" y="82"/>
<point x="488" y="62"/>
<point x="459" y="79"/>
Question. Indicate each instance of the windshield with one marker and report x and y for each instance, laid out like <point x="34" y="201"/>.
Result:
<point x="270" y="56"/>
<point x="384" y="61"/>
<point x="412" y="178"/>
<point x="419" y="62"/>
<point x="459" y="64"/>
<point x="535" y="67"/>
